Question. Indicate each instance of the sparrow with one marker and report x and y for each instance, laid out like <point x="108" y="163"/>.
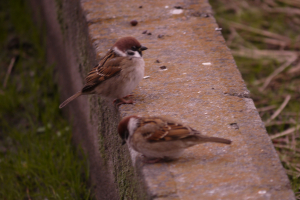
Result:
<point x="117" y="74"/>
<point x="160" y="138"/>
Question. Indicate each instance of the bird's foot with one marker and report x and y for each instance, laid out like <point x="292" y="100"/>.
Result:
<point x="121" y="101"/>
<point x="152" y="161"/>
<point x="127" y="96"/>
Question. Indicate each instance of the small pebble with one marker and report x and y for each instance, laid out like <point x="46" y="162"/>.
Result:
<point x="149" y="33"/>
<point x="140" y="6"/>
<point x="144" y="32"/>
<point x="157" y="61"/>
<point x="204" y="15"/>
<point x="176" y="11"/>
<point x="133" y="22"/>
<point x="163" y="67"/>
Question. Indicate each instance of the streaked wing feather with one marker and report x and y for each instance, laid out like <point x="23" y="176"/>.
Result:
<point x="166" y="131"/>
<point x="101" y="73"/>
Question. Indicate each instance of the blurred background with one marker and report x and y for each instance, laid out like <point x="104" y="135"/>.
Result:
<point x="37" y="160"/>
<point x="264" y="38"/>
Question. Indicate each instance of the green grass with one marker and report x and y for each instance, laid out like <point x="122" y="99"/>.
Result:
<point x="37" y="159"/>
<point x="265" y="16"/>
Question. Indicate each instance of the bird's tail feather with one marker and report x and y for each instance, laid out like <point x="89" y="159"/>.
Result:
<point x="70" y="99"/>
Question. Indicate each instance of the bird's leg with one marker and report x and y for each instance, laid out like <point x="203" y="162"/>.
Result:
<point x="151" y="161"/>
<point x="130" y="95"/>
<point x="122" y="101"/>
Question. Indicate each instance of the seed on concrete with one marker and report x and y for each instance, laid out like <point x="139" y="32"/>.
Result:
<point x="218" y="29"/>
<point x="157" y="61"/>
<point x="234" y="125"/>
<point x="149" y="33"/>
<point x="207" y="63"/>
<point x="178" y="7"/>
<point x="140" y="6"/>
<point x="145" y="77"/>
<point x="160" y="36"/>
<point x="176" y="11"/>
<point x="163" y="67"/>
<point x="134" y="22"/>
<point x="204" y="15"/>
<point x="144" y="32"/>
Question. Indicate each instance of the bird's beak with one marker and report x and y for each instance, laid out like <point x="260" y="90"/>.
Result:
<point x="143" y="48"/>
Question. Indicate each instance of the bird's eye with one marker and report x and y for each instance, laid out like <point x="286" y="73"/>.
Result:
<point x="134" y="48"/>
<point x="131" y="53"/>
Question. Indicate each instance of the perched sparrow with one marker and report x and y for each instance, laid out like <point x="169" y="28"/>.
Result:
<point x="117" y="74"/>
<point x="160" y="138"/>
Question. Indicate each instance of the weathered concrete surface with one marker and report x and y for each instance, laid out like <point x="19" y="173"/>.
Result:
<point x="210" y="98"/>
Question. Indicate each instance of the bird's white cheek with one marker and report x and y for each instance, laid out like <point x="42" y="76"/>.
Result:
<point x="119" y="52"/>
<point x="136" y="54"/>
<point x="132" y="124"/>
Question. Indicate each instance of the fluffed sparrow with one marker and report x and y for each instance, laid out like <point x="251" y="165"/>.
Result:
<point x="117" y="74"/>
<point x="160" y="138"/>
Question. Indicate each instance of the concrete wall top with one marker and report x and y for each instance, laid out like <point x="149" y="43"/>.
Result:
<point x="202" y="87"/>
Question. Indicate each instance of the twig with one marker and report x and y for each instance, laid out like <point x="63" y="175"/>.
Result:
<point x="263" y="109"/>
<point x="293" y="143"/>
<point x="279" y="123"/>
<point x="27" y="192"/>
<point x="285" y="147"/>
<point x="286" y="132"/>
<point x="291" y="2"/>
<point x="285" y="10"/>
<point x="231" y="37"/>
<point x="273" y="54"/>
<point x="255" y="30"/>
<point x="294" y="69"/>
<point x="276" y="72"/>
<point x="11" y="64"/>
<point x="294" y="114"/>
<point x="271" y="2"/>
<point x="278" y="111"/>
<point x="276" y="42"/>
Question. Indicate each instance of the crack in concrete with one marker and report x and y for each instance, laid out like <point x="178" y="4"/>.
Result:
<point x="240" y="95"/>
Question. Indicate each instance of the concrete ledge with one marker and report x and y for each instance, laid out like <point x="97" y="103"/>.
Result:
<point x="211" y="98"/>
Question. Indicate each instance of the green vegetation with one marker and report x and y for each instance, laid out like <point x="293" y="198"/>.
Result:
<point x="264" y="39"/>
<point x="37" y="160"/>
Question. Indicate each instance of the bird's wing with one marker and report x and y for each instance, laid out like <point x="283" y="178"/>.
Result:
<point x="157" y="129"/>
<point x="100" y="73"/>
